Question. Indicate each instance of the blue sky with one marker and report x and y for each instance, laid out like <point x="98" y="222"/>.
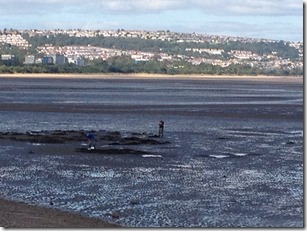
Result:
<point x="271" y="19"/>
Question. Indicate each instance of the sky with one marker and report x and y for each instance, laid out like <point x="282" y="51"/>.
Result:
<point x="269" y="19"/>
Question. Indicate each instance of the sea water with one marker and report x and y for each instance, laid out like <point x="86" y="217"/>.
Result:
<point x="235" y="157"/>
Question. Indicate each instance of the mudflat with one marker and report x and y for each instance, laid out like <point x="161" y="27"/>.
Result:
<point x="15" y="214"/>
<point x="234" y="157"/>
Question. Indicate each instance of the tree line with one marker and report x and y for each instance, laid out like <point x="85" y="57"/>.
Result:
<point x="125" y="64"/>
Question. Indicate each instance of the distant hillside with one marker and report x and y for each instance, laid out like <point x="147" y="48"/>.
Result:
<point x="144" y="51"/>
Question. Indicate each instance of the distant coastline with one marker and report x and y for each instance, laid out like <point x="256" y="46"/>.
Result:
<point x="153" y="76"/>
<point x="161" y="52"/>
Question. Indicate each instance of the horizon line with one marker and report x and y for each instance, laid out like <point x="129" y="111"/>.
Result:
<point x="143" y="30"/>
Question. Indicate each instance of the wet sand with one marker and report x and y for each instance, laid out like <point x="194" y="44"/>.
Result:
<point x="21" y="215"/>
<point x="62" y="142"/>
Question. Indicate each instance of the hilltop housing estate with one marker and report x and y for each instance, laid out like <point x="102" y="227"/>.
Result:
<point x="79" y="55"/>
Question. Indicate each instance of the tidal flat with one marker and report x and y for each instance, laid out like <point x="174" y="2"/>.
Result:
<point x="231" y="155"/>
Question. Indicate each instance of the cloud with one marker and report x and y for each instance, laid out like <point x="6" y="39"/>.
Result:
<point x="141" y="6"/>
<point x="253" y="29"/>
<point x="249" y="7"/>
<point x="219" y="7"/>
<point x="203" y="16"/>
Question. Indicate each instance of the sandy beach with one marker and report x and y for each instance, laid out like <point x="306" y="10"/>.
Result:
<point x="15" y="214"/>
<point x="157" y="76"/>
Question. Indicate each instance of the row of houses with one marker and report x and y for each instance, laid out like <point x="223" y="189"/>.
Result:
<point x="57" y="59"/>
<point x="93" y="52"/>
<point x="15" y="40"/>
<point x="7" y="57"/>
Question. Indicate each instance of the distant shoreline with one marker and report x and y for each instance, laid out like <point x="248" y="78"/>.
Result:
<point x="152" y="76"/>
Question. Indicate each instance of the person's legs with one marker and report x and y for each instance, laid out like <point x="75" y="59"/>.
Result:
<point x="160" y="131"/>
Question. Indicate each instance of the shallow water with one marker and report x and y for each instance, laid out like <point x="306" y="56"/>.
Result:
<point x="235" y="157"/>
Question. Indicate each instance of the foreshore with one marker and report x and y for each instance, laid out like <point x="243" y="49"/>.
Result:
<point x="22" y="215"/>
<point x="153" y="76"/>
<point x="14" y="214"/>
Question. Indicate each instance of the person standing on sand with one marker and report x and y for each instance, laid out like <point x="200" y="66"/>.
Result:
<point x="161" y="128"/>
